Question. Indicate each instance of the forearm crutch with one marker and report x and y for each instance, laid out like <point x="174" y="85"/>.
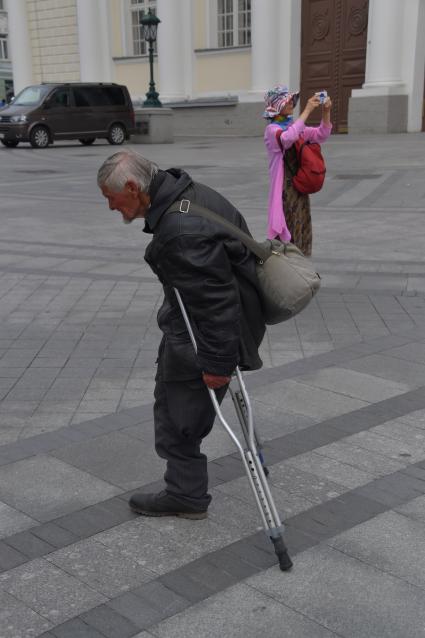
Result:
<point x="251" y="457"/>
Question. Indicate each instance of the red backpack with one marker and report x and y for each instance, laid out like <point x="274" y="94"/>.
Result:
<point x="311" y="171"/>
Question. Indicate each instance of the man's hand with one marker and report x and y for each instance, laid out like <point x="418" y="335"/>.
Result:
<point x="214" y="381"/>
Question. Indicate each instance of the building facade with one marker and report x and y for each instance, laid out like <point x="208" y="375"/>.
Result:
<point x="224" y="54"/>
<point x="6" y="77"/>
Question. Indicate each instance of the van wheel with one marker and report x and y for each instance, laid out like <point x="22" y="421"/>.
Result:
<point x="86" y="141"/>
<point x="9" y="143"/>
<point x="116" y="134"/>
<point x="39" y="137"/>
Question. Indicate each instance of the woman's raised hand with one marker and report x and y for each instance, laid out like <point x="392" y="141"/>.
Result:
<point x="312" y="103"/>
<point x="327" y="104"/>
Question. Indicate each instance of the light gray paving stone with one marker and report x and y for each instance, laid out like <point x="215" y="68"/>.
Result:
<point x="390" y="368"/>
<point x="400" y="430"/>
<point x="346" y="595"/>
<point x="64" y="488"/>
<point x="415" y="418"/>
<point x="287" y="503"/>
<point x="414" y="509"/>
<point x="105" y="569"/>
<point x="239" y="612"/>
<point x="390" y="542"/>
<point x="19" y="620"/>
<point x="390" y="447"/>
<point x="13" y="521"/>
<point x="294" y="481"/>
<point x="166" y="543"/>
<point x="411" y="352"/>
<point x="116" y="458"/>
<point x="306" y="400"/>
<point x="49" y="591"/>
<point x="355" y="384"/>
<point x="330" y="469"/>
<point x="372" y="462"/>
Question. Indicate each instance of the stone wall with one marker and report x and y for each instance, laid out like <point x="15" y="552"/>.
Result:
<point x="54" y="40"/>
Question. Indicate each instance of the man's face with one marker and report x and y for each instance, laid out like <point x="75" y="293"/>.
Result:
<point x="131" y="202"/>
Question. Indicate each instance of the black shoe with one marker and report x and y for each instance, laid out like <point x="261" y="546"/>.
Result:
<point x="163" y="504"/>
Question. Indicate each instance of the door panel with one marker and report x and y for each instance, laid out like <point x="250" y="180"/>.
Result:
<point x="333" y="53"/>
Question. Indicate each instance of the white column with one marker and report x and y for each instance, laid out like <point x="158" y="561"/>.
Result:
<point x="288" y="45"/>
<point x="385" y="44"/>
<point x="414" y="62"/>
<point x="264" y="46"/>
<point x="175" y="50"/>
<point x="20" y="44"/>
<point x="93" y="36"/>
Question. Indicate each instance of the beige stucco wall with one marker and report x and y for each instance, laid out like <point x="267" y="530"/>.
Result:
<point x="227" y="71"/>
<point x="199" y="8"/>
<point x="54" y="40"/>
<point x="135" y="75"/>
<point x="115" y="14"/>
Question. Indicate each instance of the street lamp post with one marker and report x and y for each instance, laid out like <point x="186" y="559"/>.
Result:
<point x="149" y="24"/>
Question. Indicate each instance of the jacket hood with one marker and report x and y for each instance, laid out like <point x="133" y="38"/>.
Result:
<point x="166" y="188"/>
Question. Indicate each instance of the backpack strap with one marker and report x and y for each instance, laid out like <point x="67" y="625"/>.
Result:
<point x="183" y="206"/>
<point x="284" y="156"/>
<point x="278" y="140"/>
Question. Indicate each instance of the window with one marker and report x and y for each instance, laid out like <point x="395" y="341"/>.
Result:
<point x="3" y="48"/>
<point x="233" y="23"/>
<point x="59" y="99"/>
<point x="98" y="96"/>
<point x="1" y="5"/>
<point x="31" y="96"/>
<point x="138" y="8"/>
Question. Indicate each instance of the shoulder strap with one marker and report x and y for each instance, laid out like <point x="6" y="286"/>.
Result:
<point x="255" y="247"/>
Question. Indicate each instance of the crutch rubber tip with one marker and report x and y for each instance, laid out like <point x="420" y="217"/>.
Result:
<point x="285" y="563"/>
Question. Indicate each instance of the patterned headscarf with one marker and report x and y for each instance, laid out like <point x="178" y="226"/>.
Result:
<point x="276" y="99"/>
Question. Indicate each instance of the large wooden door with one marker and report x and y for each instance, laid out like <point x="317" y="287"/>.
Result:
<point x="333" y="53"/>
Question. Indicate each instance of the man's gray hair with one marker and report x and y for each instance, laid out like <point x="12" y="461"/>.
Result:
<point x="121" y="167"/>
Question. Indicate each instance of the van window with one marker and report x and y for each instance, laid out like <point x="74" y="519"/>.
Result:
<point x="31" y="96"/>
<point x="59" y="99"/>
<point x="98" y="96"/>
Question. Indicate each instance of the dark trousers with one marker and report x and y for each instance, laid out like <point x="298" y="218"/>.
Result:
<point x="183" y="416"/>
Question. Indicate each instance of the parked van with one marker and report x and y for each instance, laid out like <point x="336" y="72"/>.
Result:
<point x="44" y="113"/>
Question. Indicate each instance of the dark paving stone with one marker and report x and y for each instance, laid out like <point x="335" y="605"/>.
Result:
<point x="181" y="583"/>
<point x="415" y="471"/>
<point x="75" y="628"/>
<point x="109" y="622"/>
<point x="29" y="544"/>
<point x="55" y="535"/>
<point x="10" y="558"/>
<point x="142" y="612"/>
<point x="93" y="520"/>
<point x="375" y="492"/>
<point x="207" y="574"/>
<point x="231" y="564"/>
<point x="248" y="550"/>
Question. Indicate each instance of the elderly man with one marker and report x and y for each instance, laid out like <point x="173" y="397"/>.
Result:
<point x="215" y="275"/>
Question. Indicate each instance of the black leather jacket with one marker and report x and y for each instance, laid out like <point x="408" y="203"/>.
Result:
<point x="215" y="275"/>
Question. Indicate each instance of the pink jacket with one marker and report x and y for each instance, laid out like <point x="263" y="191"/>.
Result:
<point x="276" y="224"/>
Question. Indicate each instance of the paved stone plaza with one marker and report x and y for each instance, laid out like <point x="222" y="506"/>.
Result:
<point x="340" y="404"/>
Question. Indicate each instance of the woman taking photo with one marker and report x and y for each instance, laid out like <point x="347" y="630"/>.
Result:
<point x="289" y="217"/>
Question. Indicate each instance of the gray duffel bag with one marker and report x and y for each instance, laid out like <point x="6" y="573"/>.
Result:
<point x="287" y="279"/>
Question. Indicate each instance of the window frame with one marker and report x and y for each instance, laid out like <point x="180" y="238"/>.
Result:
<point x="129" y="41"/>
<point x="213" y="31"/>
<point x="4" y="48"/>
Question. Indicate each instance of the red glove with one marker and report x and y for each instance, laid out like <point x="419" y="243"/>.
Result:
<point x="214" y="381"/>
